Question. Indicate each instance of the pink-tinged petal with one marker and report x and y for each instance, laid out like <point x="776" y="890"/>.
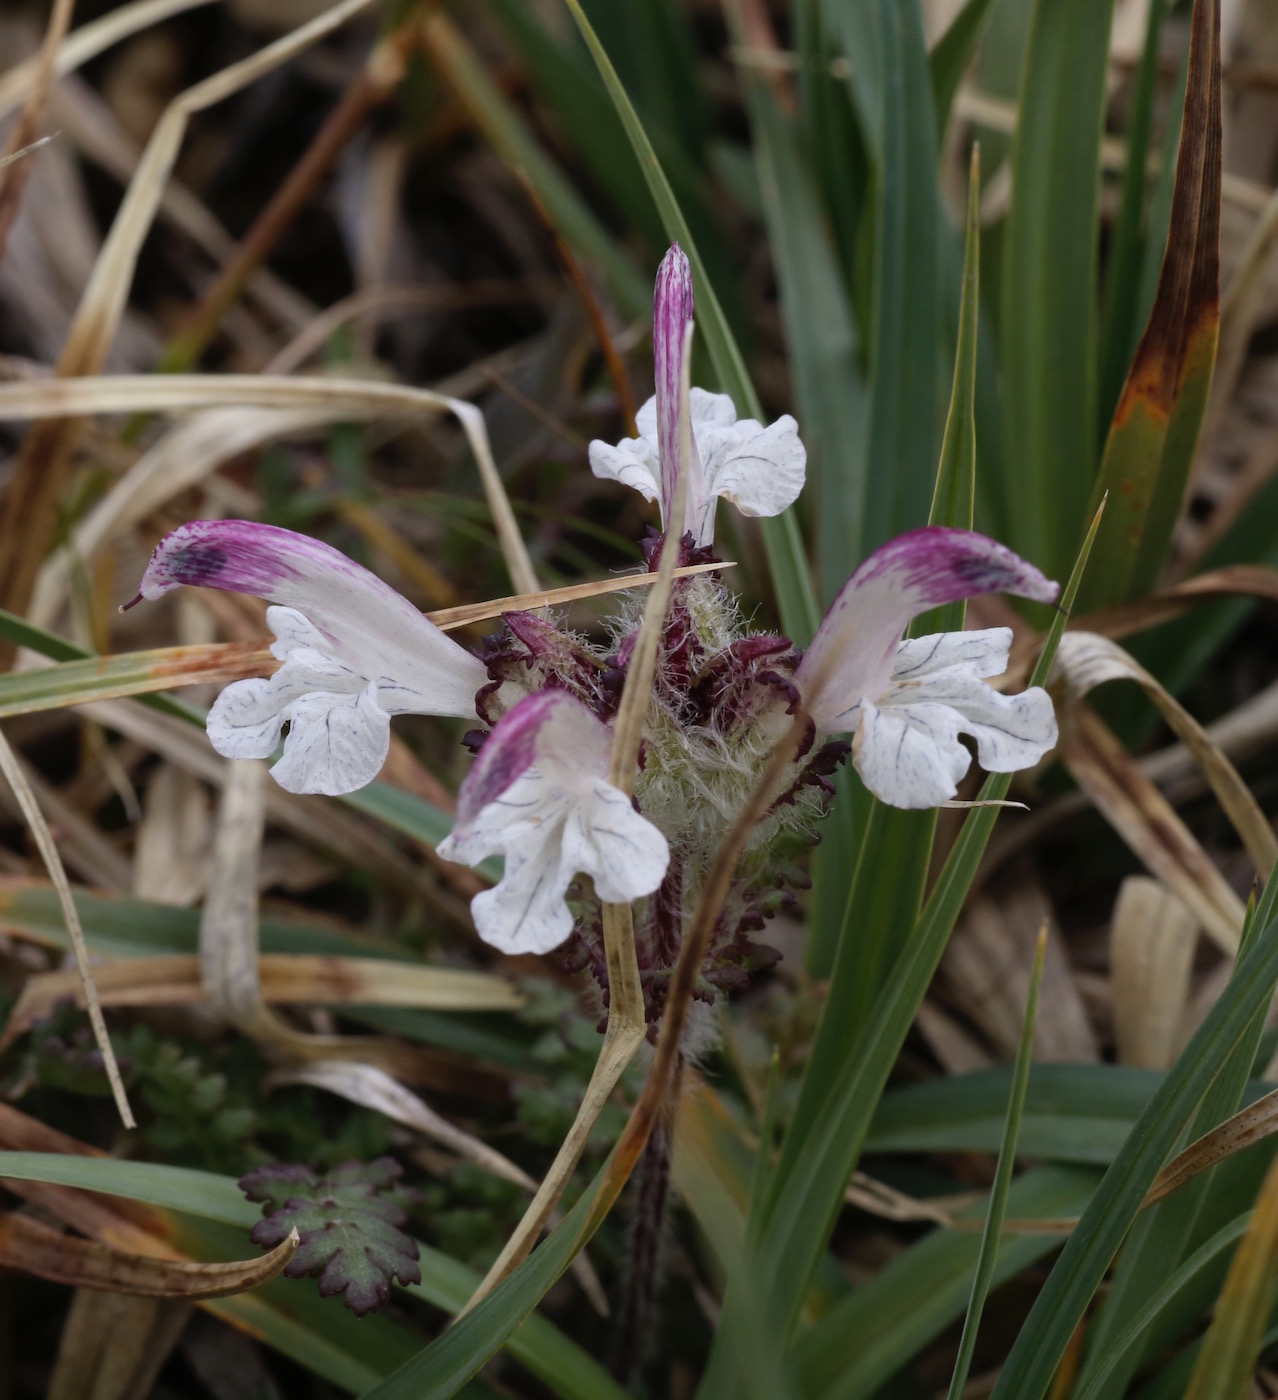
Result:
<point x="550" y="729"/>
<point x="671" y="315"/>
<point x="852" y="655"/>
<point x="363" y="619"/>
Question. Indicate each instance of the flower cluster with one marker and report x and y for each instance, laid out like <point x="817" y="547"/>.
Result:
<point x="354" y="653"/>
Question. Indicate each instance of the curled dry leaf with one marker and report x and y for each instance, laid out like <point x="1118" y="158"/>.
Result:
<point x="1151" y="939"/>
<point x="285" y="979"/>
<point x="1086" y="660"/>
<point x="1144" y="818"/>
<point x="30" y="1247"/>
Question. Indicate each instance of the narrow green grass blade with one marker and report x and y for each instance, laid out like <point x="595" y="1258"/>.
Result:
<point x="815" y="1165"/>
<point x="954" y="495"/>
<point x="796" y="599"/>
<point x="1160" y="1236"/>
<point x="951" y="56"/>
<point x="91" y="678"/>
<point x="447" y="1284"/>
<point x="1127" y="1348"/>
<point x="903" y="351"/>
<point x="988" y="1256"/>
<point x="889" y="869"/>
<point x="1119" y="326"/>
<point x="829" y="389"/>
<point x="1226" y="1365"/>
<point x="1041" y="1344"/>
<point x="506" y="131"/>
<point x="568" y="82"/>
<point x="1049" y="281"/>
<point x="21" y="632"/>
<point x="855" y="1348"/>
<point x="894" y="103"/>
<point x="1155" y="428"/>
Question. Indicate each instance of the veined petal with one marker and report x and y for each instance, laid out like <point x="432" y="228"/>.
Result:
<point x="910" y="755"/>
<point x="907" y="748"/>
<point x="852" y="655"/>
<point x="622" y="851"/>
<point x="526" y="911"/>
<point x="335" y="744"/>
<point x="760" y="470"/>
<point x="538" y="795"/>
<point x="633" y="462"/>
<point x="362" y="620"/>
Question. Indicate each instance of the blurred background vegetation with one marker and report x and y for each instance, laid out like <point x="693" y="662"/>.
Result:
<point x="450" y="197"/>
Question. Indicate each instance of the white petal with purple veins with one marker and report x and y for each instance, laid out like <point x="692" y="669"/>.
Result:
<point x="354" y="651"/>
<point x="907" y="746"/>
<point x="760" y="470"/>
<point x="538" y="795"/>
<point x="853" y="655"/>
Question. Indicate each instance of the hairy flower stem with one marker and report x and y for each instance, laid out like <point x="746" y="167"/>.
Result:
<point x="647" y="1238"/>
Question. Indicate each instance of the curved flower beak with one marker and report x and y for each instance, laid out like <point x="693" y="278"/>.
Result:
<point x="355" y="652"/>
<point x="908" y="701"/>
<point x="538" y="795"/>
<point x="760" y="470"/>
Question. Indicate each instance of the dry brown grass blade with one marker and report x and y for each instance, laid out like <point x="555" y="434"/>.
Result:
<point x="1085" y="660"/>
<point x="448" y="619"/>
<point x="373" y="1088"/>
<point x="89" y="124"/>
<point x="324" y="823"/>
<point x="1146" y="821"/>
<point x="43" y="838"/>
<point x="284" y="978"/>
<point x="1237" y="580"/>
<point x="627" y="1024"/>
<point x="1248" y="1126"/>
<point x="183" y="457"/>
<point x="68" y="397"/>
<point x="23" y="137"/>
<point x="30" y="1247"/>
<point x="113" y="1346"/>
<point x="377" y="80"/>
<point x="1152" y="938"/>
<point x="136" y="673"/>
<point x="86" y="43"/>
<point x="29" y="518"/>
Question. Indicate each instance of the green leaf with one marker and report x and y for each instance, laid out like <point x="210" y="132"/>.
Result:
<point x="829" y="389"/>
<point x="905" y="325"/>
<point x="861" y="1342"/>
<point x="1119" y="324"/>
<point x="815" y="1165"/>
<point x="877" y="905"/>
<point x="1155" y="428"/>
<point x="987" y="1258"/>
<point x="1160" y="1236"/>
<point x="790" y="577"/>
<point x="1226" y="1365"/>
<point x="1123" y="1354"/>
<point x="1038" y="1349"/>
<point x="1049" y="280"/>
<point x="348" y="1221"/>
<point x="537" y="1344"/>
<point x="952" y="55"/>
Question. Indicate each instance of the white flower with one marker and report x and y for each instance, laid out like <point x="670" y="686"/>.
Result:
<point x="760" y="470"/>
<point x="907" y="702"/>
<point x="354" y="651"/>
<point x="539" y="795"/>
